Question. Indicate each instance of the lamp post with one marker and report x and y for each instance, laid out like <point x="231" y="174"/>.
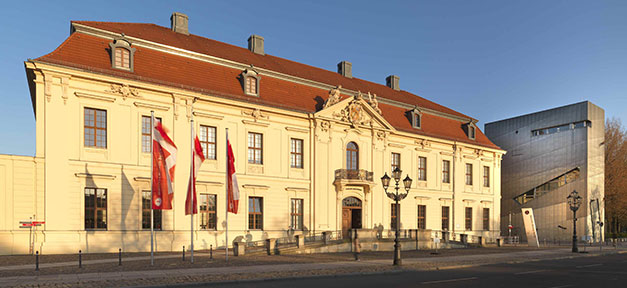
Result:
<point x="574" y="201"/>
<point x="385" y="180"/>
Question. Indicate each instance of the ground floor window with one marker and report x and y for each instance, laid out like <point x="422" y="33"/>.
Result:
<point x="486" y="219"/>
<point x="208" y="207"/>
<point x="445" y="213"/>
<point x="146" y="207"/>
<point x="296" y="214"/>
<point x="396" y="210"/>
<point x="468" y="218"/>
<point x="422" y="217"/>
<point x="95" y="208"/>
<point x="255" y="213"/>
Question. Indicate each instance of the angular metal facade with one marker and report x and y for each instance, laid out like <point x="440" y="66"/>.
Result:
<point x="541" y="147"/>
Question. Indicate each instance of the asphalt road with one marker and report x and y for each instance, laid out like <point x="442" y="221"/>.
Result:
<point x="594" y="272"/>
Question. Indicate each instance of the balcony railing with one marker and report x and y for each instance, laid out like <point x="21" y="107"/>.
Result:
<point x="349" y="174"/>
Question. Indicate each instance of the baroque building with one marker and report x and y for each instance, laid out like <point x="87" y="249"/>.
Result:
<point x="310" y="147"/>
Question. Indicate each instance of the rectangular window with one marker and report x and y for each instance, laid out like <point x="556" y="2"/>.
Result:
<point x="422" y="217"/>
<point x="146" y="147"/>
<point x="468" y="174"/>
<point x="445" y="213"/>
<point x="394" y="214"/>
<point x="296" y="214"/>
<point x="486" y="176"/>
<point x="146" y="207"/>
<point x="486" y="219"/>
<point x="251" y="85"/>
<point x="207" y="140"/>
<point x="255" y="148"/>
<point x="446" y="171"/>
<point x="122" y="58"/>
<point x="469" y="218"/>
<point x="208" y="207"/>
<point x="396" y="161"/>
<point x="296" y="153"/>
<point x="255" y="213"/>
<point x="95" y="128"/>
<point x="95" y="208"/>
<point x="422" y="168"/>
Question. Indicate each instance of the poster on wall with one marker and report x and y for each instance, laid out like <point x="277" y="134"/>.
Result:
<point x="530" y="227"/>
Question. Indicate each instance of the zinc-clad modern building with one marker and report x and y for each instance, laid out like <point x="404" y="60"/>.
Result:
<point x="310" y="146"/>
<point x="550" y="154"/>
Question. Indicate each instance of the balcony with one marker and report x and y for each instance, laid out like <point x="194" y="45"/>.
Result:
<point x="349" y="174"/>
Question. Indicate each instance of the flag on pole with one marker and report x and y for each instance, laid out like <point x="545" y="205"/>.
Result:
<point x="163" y="164"/>
<point x="198" y="158"/>
<point x="232" y="187"/>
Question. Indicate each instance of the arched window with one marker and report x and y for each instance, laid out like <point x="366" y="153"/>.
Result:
<point x="122" y="54"/>
<point x="122" y="58"/>
<point x="352" y="156"/>
<point x="250" y="81"/>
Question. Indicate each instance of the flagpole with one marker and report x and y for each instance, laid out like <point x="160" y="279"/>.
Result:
<point x="152" y="215"/>
<point x="192" y="187"/>
<point x="227" y="195"/>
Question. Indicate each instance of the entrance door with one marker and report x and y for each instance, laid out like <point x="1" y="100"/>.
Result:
<point x="346" y="222"/>
<point x="351" y="215"/>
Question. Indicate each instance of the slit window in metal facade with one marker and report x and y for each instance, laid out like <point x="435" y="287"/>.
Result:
<point x="561" y="128"/>
<point x="549" y="186"/>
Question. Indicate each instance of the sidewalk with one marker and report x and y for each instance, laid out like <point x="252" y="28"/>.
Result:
<point x="238" y="273"/>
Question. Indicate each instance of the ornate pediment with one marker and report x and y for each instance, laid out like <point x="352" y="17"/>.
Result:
<point x="355" y="111"/>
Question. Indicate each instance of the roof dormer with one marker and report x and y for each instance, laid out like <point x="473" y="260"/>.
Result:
<point x="250" y="82"/>
<point x="416" y="118"/>
<point x="471" y="130"/>
<point x="122" y="54"/>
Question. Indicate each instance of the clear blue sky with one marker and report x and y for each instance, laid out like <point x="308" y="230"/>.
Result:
<point x="488" y="59"/>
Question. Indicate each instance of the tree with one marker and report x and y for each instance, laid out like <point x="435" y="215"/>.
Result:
<point x="615" y="176"/>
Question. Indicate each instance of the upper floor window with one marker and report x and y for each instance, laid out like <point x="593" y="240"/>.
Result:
<point x="296" y="153"/>
<point x="396" y="161"/>
<point x="146" y="146"/>
<point x="486" y="176"/>
<point x="422" y="168"/>
<point x="122" y="54"/>
<point x="471" y="130"/>
<point x="95" y="128"/>
<point x="416" y="118"/>
<point x="468" y="174"/>
<point x="208" y="141"/>
<point x="255" y="148"/>
<point x="250" y="81"/>
<point x="446" y="171"/>
<point x="352" y="156"/>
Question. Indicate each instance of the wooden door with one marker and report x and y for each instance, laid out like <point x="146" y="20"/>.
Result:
<point x="346" y="222"/>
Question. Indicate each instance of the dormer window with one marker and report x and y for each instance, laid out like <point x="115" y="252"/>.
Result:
<point x="471" y="130"/>
<point x="122" y="54"/>
<point x="250" y="80"/>
<point x="416" y="118"/>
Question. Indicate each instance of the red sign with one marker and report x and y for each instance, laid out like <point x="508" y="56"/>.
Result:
<point x="510" y="226"/>
<point x="30" y="223"/>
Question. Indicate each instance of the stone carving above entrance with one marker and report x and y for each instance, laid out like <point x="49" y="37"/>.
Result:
<point x="353" y="113"/>
<point x="334" y="97"/>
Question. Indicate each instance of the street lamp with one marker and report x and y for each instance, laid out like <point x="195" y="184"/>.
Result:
<point x="574" y="201"/>
<point x="385" y="180"/>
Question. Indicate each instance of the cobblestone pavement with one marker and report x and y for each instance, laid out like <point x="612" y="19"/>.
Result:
<point x="173" y="271"/>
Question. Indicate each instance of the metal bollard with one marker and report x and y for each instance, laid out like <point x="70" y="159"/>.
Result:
<point x="183" y="253"/>
<point x="120" y="257"/>
<point x="37" y="261"/>
<point x="80" y="259"/>
<point x="210" y="252"/>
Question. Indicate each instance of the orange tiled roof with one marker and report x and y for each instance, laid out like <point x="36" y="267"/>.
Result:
<point x="91" y="53"/>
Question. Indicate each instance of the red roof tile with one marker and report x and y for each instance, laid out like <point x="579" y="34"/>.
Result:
<point x="91" y="53"/>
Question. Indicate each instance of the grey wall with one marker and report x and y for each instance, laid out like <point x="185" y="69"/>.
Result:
<point x="533" y="160"/>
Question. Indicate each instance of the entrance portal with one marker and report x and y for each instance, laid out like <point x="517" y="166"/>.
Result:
<point x="351" y="215"/>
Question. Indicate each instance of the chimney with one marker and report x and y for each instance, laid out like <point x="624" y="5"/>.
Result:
<point x="179" y="23"/>
<point x="392" y="82"/>
<point x="345" y="68"/>
<point x="255" y="44"/>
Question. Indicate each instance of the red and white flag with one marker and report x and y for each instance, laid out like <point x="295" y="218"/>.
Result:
<point x="232" y="187"/>
<point x="163" y="164"/>
<point x="191" y="187"/>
